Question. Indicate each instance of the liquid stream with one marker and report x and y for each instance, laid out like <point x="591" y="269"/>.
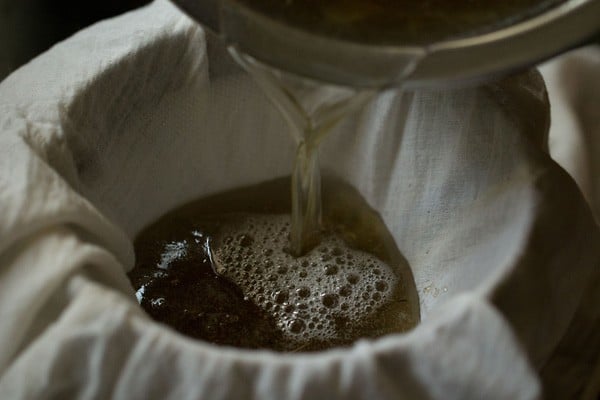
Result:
<point x="313" y="110"/>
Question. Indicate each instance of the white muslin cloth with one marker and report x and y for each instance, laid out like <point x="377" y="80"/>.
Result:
<point x="139" y="114"/>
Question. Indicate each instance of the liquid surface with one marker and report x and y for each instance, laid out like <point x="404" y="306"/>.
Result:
<point x="397" y="22"/>
<point x="220" y="270"/>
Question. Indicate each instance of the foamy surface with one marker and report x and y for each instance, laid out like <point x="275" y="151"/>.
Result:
<point x="310" y="295"/>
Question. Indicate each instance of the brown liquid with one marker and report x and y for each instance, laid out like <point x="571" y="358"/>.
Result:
<point x="396" y="22"/>
<point x="178" y="256"/>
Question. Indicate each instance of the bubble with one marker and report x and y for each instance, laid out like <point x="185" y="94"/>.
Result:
<point x="304" y="314"/>
<point x="329" y="300"/>
<point x="288" y="308"/>
<point x="352" y="279"/>
<point x="297" y="326"/>
<point x="280" y="296"/>
<point x="333" y="282"/>
<point x="345" y="290"/>
<point x="282" y="269"/>
<point x="381" y="286"/>
<point x="303" y="292"/>
<point x="331" y="269"/>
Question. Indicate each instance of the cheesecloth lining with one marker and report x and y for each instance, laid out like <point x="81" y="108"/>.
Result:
<point x="136" y="115"/>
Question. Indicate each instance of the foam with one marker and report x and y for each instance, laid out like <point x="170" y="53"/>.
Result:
<point x="306" y="295"/>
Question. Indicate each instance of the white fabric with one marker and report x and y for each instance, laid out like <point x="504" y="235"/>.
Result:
<point x="574" y="89"/>
<point x="139" y="114"/>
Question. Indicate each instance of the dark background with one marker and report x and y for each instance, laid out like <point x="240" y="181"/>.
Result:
<point x="29" y="27"/>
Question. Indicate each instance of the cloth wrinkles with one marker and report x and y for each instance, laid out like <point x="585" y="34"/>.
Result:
<point x="141" y="113"/>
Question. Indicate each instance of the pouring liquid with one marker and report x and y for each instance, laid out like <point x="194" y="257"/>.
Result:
<point x="234" y="269"/>
<point x="312" y="111"/>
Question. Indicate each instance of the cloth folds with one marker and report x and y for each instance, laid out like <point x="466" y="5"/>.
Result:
<point x="139" y="114"/>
